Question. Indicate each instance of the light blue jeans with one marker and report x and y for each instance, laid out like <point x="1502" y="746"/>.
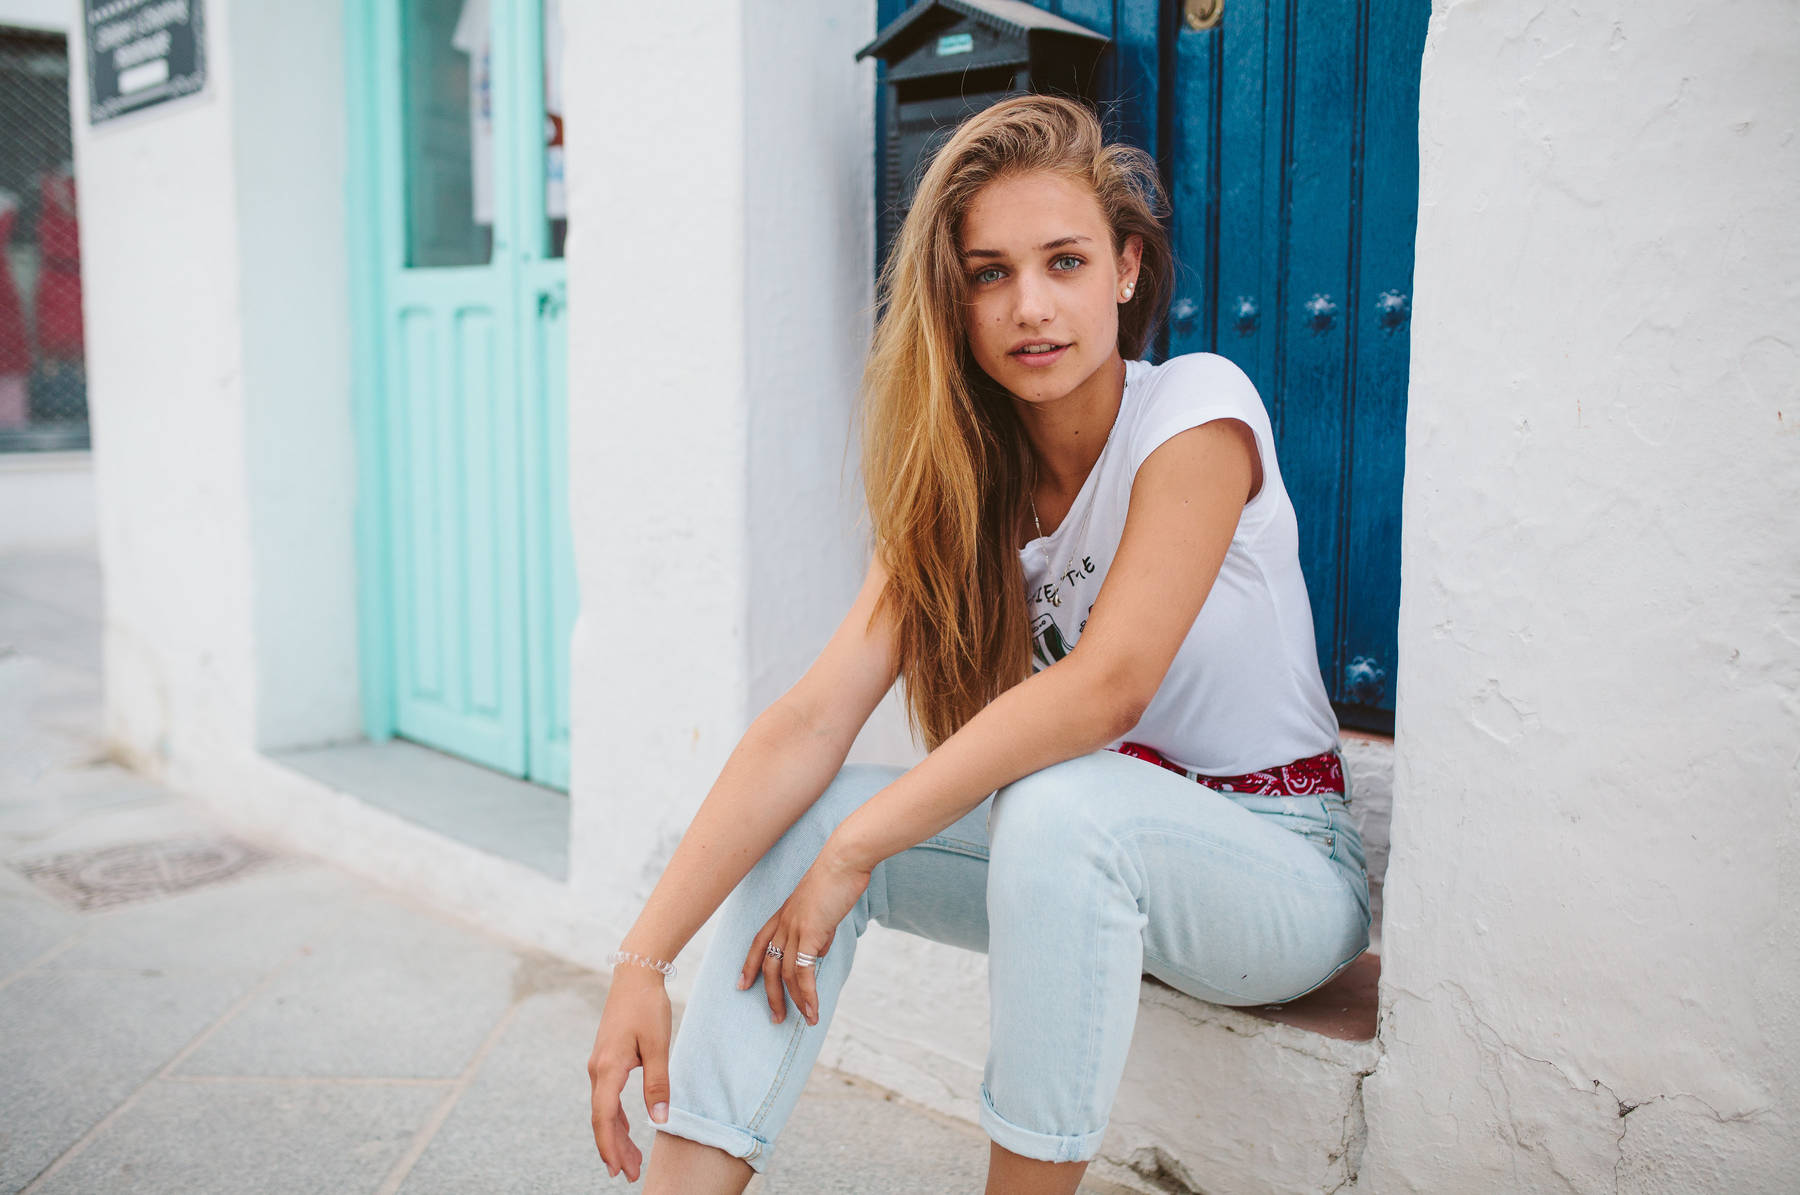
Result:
<point x="1075" y="881"/>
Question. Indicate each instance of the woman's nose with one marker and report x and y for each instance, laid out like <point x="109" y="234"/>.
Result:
<point x="1031" y="299"/>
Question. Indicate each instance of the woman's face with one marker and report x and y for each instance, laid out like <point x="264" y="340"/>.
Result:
<point x="1043" y="284"/>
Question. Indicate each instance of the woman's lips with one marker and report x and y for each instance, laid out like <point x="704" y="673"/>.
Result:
<point x="1039" y="359"/>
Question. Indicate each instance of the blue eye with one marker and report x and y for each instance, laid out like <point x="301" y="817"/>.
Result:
<point x="1070" y="257"/>
<point x="983" y="275"/>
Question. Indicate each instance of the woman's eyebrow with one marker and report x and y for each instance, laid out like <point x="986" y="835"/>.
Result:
<point x="1058" y="243"/>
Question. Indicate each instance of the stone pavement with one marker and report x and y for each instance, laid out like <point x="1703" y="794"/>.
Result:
<point x="182" y="1011"/>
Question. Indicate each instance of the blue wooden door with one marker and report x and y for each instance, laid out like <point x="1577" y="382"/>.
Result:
<point x="1292" y="146"/>
<point x="1287" y="133"/>
<point x="468" y="553"/>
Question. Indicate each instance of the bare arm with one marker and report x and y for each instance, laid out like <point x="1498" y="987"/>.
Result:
<point x="1184" y="508"/>
<point x="778" y="769"/>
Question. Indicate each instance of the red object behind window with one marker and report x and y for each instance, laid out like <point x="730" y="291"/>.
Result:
<point x="58" y="301"/>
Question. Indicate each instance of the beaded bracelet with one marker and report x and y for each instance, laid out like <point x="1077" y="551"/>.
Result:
<point x="625" y="956"/>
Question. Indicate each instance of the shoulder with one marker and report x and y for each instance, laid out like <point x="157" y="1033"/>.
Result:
<point x="1196" y="377"/>
<point x="1184" y="392"/>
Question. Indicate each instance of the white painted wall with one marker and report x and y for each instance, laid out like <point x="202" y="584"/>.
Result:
<point x="719" y="287"/>
<point x="217" y="321"/>
<point x="164" y="328"/>
<point x="46" y="500"/>
<point x="1590" y="963"/>
<point x="289" y="164"/>
<point x="1369" y="767"/>
<point x="56" y="16"/>
<point x="658" y="422"/>
<point x="809" y="298"/>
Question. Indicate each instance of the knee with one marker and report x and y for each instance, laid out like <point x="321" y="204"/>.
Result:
<point x="1050" y="821"/>
<point x="849" y="789"/>
<point x="854" y="784"/>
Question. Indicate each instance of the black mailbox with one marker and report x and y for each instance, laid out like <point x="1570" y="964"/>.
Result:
<point x="948" y="58"/>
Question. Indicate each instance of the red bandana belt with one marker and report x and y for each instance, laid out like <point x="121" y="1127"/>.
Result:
<point x="1323" y="773"/>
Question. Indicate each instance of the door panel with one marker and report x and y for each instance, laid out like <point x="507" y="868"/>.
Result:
<point x="1311" y="372"/>
<point x="551" y="598"/>
<point x="1293" y="171"/>
<point x="451" y="462"/>
<point x="1388" y="214"/>
<point x="540" y="312"/>
<point x="454" y="519"/>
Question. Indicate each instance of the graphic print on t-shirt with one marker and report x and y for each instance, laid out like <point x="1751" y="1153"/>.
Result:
<point x="1047" y="645"/>
<point x="1049" y="642"/>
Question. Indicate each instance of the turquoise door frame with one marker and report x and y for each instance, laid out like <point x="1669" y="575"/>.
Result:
<point x="466" y="593"/>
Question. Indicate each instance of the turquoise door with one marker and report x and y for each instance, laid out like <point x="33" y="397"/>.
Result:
<point x="456" y="190"/>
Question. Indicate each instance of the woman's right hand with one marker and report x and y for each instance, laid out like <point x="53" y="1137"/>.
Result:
<point x="634" y="1031"/>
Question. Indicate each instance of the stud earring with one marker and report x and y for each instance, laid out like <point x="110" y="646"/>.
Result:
<point x="1128" y="290"/>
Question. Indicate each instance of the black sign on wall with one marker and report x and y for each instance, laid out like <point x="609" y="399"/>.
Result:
<point x="142" y="52"/>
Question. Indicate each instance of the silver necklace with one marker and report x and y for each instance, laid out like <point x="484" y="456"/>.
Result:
<point x="1080" y="534"/>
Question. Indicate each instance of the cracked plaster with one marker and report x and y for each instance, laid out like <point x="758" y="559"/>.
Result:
<point x="1588" y="956"/>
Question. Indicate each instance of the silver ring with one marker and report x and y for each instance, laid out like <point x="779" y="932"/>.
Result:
<point x="772" y="950"/>
<point x="802" y="959"/>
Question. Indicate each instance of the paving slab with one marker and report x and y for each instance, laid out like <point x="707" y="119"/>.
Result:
<point x="392" y="992"/>
<point x="264" y="1136"/>
<point x="246" y="925"/>
<point x="37" y="808"/>
<point x="63" y="579"/>
<point x="48" y="717"/>
<point x="29" y="924"/>
<point x="848" y="1136"/>
<point x="50" y="605"/>
<point x="73" y="1047"/>
<point x="522" y="1126"/>
<point x="54" y="634"/>
<point x="62" y="816"/>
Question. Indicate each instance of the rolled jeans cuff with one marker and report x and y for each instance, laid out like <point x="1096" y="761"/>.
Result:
<point x="739" y="1143"/>
<point x="1045" y="1147"/>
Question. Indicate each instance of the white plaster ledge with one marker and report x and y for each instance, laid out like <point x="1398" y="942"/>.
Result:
<point x="1213" y="1098"/>
<point x="470" y="804"/>
<point x="314" y="806"/>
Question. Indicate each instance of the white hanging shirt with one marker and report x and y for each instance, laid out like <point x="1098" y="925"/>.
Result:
<point x="473" y="36"/>
<point x="1244" y="691"/>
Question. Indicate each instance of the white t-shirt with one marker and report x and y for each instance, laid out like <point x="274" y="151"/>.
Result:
<point x="472" y="36"/>
<point x="1244" y="691"/>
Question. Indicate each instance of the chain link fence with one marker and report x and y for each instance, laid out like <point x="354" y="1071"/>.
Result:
<point x="43" y="376"/>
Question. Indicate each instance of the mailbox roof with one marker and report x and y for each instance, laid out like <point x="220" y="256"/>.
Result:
<point x="1010" y="16"/>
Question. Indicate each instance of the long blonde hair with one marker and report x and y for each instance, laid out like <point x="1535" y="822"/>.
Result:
<point x="944" y="456"/>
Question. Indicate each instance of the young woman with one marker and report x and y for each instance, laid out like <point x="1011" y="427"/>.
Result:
<point x="1086" y="576"/>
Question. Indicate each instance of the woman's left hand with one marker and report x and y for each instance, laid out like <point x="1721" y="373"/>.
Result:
<point x="806" y="922"/>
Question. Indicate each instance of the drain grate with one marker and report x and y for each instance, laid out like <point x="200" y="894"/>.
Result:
<point x="117" y="875"/>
